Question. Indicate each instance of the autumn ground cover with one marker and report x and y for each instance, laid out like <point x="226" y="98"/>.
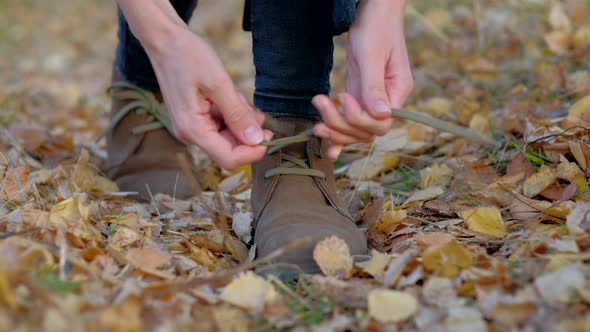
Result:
<point x="465" y="236"/>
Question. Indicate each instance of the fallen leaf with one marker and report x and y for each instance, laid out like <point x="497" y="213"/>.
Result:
<point x="581" y="107"/>
<point x="440" y="292"/>
<point x="425" y="194"/>
<point x="558" y="18"/>
<point x="377" y="264"/>
<point x="559" y="42"/>
<point x="122" y="317"/>
<point x="539" y="181"/>
<point x="446" y="260"/>
<point x="425" y="240"/>
<point x="569" y="171"/>
<point x="582" y="37"/>
<point x="436" y="174"/>
<point x="390" y="219"/>
<point x="72" y="216"/>
<point x="512" y="314"/>
<point x="233" y="182"/>
<point x="236" y="247"/>
<point x="86" y="178"/>
<point x="578" y="220"/>
<point x="249" y="291"/>
<point x="485" y="220"/>
<point x="15" y="184"/>
<point x="389" y="306"/>
<point x="333" y="257"/>
<point x="149" y="260"/>
<point x="465" y="319"/>
<point x="437" y="106"/>
<point x="557" y="287"/>
<point x="242" y="225"/>
<point x="576" y="149"/>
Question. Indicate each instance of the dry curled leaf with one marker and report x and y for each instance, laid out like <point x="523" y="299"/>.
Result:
<point x="447" y="259"/>
<point x="333" y="257"/>
<point x="539" y="181"/>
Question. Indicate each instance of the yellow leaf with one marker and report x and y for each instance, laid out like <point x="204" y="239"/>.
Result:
<point x="85" y="177"/>
<point x="569" y="171"/>
<point x="581" y="107"/>
<point x="246" y="169"/>
<point x="582" y="36"/>
<point x="539" y="181"/>
<point x="437" y="106"/>
<point x="390" y="162"/>
<point x="447" y="259"/>
<point x="576" y="149"/>
<point x="377" y="264"/>
<point x="389" y="219"/>
<point x="389" y="306"/>
<point x="249" y="291"/>
<point x="559" y="42"/>
<point x="486" y="220"/>
<point x="425" y="194"/>
<point x="333" y="257"/>
<point x="72" y="216"/>
<point x="235" y="247"/>
<point x="436" y="174"/>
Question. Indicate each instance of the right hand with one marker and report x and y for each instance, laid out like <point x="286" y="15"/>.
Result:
<point x="205" y="108"/>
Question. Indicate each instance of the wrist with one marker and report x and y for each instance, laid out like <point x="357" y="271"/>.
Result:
<point x="157" y="39"/>
<point x="391" y="7"/>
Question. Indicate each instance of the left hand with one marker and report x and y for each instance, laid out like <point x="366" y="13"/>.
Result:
<point x="378" y="77"/>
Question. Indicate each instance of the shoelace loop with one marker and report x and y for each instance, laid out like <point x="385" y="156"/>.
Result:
<point x="291" y="165"/>
<point x="143" y="103"/>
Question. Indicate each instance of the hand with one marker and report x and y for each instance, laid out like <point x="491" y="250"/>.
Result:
<point x="378" y="77"/>
<point x="205" y="108"/>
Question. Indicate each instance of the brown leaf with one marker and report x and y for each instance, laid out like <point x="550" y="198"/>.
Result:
<point x="15" y="184"/>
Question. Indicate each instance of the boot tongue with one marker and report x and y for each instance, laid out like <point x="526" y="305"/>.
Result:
<point x="291" y="126"/>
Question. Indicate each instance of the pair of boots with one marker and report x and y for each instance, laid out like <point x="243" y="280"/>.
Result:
<point x="293" y="187"/>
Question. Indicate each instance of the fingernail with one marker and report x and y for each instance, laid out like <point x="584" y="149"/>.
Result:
<point x="381" y="107"/>
<point x="254" y="135"/>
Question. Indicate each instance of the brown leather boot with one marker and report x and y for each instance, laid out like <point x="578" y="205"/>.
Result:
<point x="141" y="150"/>
<point x="294" y="196"/>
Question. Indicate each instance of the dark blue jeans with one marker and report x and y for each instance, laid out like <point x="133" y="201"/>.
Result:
<point x="292" y="47"/>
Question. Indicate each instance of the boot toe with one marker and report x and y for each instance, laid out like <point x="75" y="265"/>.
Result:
<point x="170" y="181"/>
<point x="303" y="256"/>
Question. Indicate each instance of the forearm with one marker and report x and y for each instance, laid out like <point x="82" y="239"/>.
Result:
<point x="151" y="21"/>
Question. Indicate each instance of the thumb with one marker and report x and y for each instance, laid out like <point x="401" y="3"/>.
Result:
<point x="373" y="91"/>
<point x="238" y="116"/>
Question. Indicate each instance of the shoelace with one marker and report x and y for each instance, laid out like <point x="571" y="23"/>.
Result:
<point x="143" y="103"/>
<point x="291" y="165"/>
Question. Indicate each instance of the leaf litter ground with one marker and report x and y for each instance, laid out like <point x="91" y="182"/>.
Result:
<point x="464" y="237"/>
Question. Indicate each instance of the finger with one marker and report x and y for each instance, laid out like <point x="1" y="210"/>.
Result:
<point x="333" y="119"/>
<point x="323" y="131"/>
<point x="223" y="148"/>
<point x="399" y="91"/>
<point x="361" y="119"/>
<point x="374" y="94"/>
<point x="334" y="151"/>
<point x="239" y="117"/>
